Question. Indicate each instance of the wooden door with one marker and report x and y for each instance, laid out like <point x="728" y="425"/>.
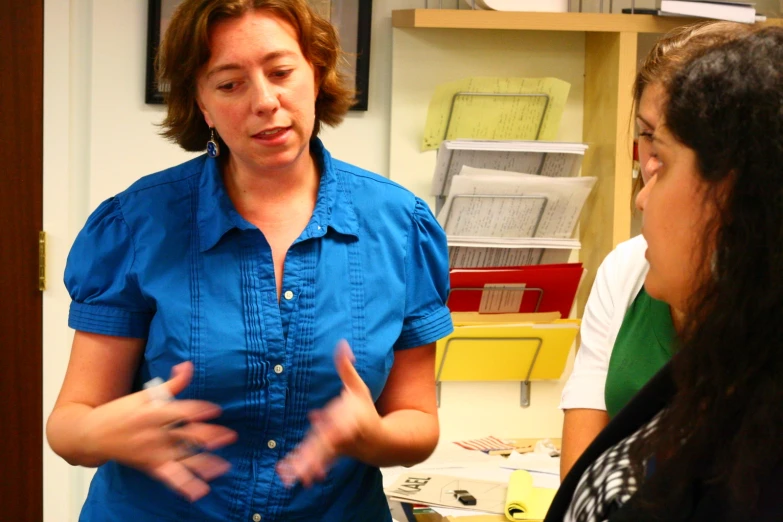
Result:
<point x="21" y="217"/>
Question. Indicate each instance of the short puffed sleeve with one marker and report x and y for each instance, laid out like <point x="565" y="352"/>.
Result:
<point x="427" y="318"/>
<point x="100" y="278"/>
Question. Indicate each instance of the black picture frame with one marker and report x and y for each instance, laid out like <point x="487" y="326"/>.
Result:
<point x="359" y="58"/>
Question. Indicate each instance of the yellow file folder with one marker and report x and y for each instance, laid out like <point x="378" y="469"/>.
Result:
<point x="506" y="352"/>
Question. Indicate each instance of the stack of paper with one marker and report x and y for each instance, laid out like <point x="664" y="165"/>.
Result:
<point x="468" y="254"/>
<point x="486" y="205"/>
<point x="509" y="210"/>
<point x="546" y="158"/>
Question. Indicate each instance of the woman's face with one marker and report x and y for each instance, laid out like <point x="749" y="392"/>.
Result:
<point x="258" y="91"/>
<point x="650" y="109"/>
<point x="675" y="208"/>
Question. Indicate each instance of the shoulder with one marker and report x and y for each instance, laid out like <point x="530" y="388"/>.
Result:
<point x="166" y="180"/>
<point x="370" y="190"/>
<point x="628" y="256"/>
<point x="625" y="267"/>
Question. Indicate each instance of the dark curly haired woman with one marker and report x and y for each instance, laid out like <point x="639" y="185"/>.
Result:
<point x="703" y="441"/>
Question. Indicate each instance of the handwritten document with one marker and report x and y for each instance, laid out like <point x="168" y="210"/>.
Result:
<point x="552" y="159"/>
<point x="467" y="109"/>
<point x="495" y="204"/>
<point x="498" y="255"/>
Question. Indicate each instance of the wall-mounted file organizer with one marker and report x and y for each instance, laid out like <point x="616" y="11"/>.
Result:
<point x="552" y="288"/>
<point x="521" y="352"/>
<point x="440" y="200"/>
<point x="541" y="158"/>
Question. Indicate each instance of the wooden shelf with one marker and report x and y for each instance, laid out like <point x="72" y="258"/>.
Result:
<point x="584" y="22"/>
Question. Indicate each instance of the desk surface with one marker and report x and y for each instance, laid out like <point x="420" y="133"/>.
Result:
<point x="477" y="518"/>
<point x="522" y="445"/>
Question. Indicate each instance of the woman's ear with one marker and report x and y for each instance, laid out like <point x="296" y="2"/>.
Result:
<point x="204" y="112"/>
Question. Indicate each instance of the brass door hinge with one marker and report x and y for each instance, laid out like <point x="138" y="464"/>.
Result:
<point x="42" y="261"/>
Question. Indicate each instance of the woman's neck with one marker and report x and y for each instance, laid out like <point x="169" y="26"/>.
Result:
<point x="259" y="196"/>
<point x="678" y="319"/>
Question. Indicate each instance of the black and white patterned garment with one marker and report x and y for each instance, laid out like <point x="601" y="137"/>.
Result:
<point x="608" y="483"/>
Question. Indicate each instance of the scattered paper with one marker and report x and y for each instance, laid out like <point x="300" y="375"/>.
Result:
<point x="533" y="461"/>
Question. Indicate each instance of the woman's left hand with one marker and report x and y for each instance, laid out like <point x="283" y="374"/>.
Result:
<point x="348" y="424"/>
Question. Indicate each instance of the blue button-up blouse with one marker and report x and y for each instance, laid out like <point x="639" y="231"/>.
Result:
<point x="171" y="260"/>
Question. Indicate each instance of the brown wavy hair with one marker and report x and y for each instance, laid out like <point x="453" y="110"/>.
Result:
<point x="184" y="50"/>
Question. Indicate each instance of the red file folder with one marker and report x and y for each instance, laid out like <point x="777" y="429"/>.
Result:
<point x="550" y="287"/>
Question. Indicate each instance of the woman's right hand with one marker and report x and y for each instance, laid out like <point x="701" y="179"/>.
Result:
<point x="158" y="437"/>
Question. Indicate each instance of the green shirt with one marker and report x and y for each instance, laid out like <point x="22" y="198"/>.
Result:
<point x="644" y="344"/>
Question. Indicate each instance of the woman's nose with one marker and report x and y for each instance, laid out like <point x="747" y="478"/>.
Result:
<point x="641" y="197"/>
<point x="265" y="98"/>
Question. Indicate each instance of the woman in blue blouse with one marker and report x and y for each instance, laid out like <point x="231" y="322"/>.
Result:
<point x="239" y="272"/>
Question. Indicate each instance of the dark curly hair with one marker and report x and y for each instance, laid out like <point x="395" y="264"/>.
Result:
<point x="725" y="424"/>
<point x="671" y="51"/>
<point x="185" y="50"/>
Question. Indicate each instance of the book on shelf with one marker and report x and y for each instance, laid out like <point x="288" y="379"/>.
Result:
<point x="730" y="11"/>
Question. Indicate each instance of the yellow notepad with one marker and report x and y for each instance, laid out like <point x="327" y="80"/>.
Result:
<point x="523" y="501"/>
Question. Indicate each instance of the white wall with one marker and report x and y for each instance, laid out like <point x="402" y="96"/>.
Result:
<point x="99" y="137"/>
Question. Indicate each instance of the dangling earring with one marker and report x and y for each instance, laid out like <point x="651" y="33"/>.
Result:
<point x="213" y="147"/>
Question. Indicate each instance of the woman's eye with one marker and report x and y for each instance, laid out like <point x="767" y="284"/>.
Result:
<point x="646" y="135"/>
<point x="281" y="74"/>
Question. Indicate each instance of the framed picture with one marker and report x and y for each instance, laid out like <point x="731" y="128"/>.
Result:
<point x="351" y="18"/>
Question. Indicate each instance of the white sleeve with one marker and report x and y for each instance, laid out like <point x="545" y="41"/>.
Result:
<point x="585" y="386"/>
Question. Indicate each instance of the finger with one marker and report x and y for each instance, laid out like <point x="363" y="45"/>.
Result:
<point x="206" y="436"/>
<point x="343" y="361"/>
<point x="207" y="466"/>
<point x="180" y="479"/>
<point x="311" y="459"/>
<point x="181" y="375"/>
<point x="286" y="473"/>
<point x="179" y="412"/>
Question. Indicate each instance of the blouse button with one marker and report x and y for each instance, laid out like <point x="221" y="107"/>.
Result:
<point x="288" y="295"/>
<point x="256" y="518"/>
<point x="278" y="368"/>
<point x="271" y="444"/>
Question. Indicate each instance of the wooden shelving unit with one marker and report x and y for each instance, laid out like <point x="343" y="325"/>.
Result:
<point x="584" y="22"/>
<point x="610" y="64"/>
